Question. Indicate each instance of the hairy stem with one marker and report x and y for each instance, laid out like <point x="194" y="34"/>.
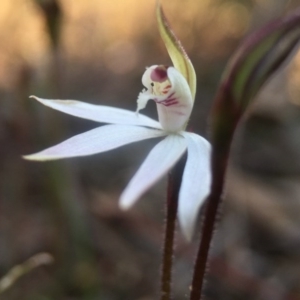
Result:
<point x="174" y="182"/>
<point x="219" y="165"/>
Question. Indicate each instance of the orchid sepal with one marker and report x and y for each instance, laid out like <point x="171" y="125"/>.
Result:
<point x="176" y="51"/>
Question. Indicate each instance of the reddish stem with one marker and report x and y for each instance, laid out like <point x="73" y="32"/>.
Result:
<point x="174" y="182"/>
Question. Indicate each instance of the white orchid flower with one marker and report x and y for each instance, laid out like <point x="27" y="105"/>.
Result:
<point x="173" y="90"/>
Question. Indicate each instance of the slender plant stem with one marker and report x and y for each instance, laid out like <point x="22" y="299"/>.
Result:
<point x="207" y="234"/>
<point x="219" y="165"/>
<point x="171" y="211"/>
<point x="174" y="182"/>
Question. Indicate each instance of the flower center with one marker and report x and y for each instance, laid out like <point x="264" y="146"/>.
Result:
<point x="169" y="89"/>
<point x="161" y="84"/>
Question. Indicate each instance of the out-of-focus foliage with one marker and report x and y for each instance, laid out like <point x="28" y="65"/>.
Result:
<point x="69" y="208"/>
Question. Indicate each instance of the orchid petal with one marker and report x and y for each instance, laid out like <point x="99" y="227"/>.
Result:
<point x="171" y="92"/>
<point x="196" y="182"/>
<point x="177" y="53"/>
<point x="97" y="140"/>
<point x="159" y="161"/>
<point x="99" y="113"/>
<point x="174" y="117"/>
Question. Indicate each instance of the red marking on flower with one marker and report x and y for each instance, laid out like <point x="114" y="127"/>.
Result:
<point x="159" y="74"/>
<point x="169" y="102"/>
<point x="166" y="90"/>
<point x="170" y="99"/>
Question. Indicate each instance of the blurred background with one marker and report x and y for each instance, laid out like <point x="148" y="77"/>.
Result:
<point x="96" y="51"/>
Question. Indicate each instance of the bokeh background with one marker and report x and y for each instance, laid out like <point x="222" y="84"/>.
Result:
<point x="96" y="51"/>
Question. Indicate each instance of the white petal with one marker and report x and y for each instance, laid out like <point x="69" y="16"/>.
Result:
<point x="145" y="95"/>
<point x="99" y="113"/>
<point x="97" y="140"/>
<point x="143" y="99"/>
<point x="158" y="162"/>
<point x="174" y="115"/>
<point x="196" y="182"/>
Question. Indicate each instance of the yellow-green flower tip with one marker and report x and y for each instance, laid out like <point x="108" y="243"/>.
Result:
<point x="177" y="53"/>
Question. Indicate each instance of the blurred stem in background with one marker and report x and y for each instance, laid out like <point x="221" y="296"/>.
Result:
<point x="53" y="17"/>
<point x="75" y="252"/>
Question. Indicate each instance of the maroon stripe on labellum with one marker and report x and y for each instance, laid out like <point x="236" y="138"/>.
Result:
<point x="169" y="100"/>
<point x="170" y="104"/>
<point x="159" y="74"/>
